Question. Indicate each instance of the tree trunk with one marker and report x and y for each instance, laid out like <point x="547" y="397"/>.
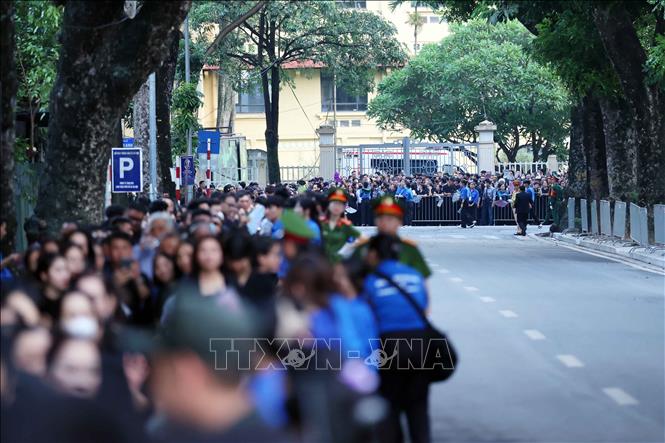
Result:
<point x="271" y="87"/>
<point x="104" y="60"/>
<point x="8" y="88"/>
<point x="578" y="180"/>
<point x="644" y="100"/>
<point x="620" y="143"/>
<point x="165" y="76"/>
<point x="225" y="102"/>
<point x="141" y="126"/>
<point x="594" y="146"/>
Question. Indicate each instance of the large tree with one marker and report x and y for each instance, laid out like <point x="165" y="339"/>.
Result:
<point x="104" y="59"/>
<point x="8" y="89"/>
<point x="478" y="72"/>
<point x="612" y="56"/>
<point x="350" y="41"/>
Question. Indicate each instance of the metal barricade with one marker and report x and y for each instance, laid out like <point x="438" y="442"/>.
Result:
<point x="659" y="224"/>
<point x="584" y="213"/>
<point x="619" y="224"/>
<point x="594" y="217"/>
<point x="571" y="213"/>
<point x="605" y="218"/>
<point x="442" y="210"/>
<point x="638" y="225"/>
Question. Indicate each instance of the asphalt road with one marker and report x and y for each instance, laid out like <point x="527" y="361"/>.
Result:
<point x="555" y="345"/>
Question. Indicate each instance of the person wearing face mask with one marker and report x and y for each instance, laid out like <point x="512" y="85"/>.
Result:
<point x="78" y="317"/>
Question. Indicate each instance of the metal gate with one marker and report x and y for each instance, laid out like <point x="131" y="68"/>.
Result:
<point x="409" y="158"/>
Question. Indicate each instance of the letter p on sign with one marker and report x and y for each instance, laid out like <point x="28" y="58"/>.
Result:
<point x="126" y="164"/>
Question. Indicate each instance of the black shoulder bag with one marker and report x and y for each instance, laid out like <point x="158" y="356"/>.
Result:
<point x="439" y="359"/>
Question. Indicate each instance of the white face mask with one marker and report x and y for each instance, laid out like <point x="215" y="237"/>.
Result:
<point x="81" y="326"/>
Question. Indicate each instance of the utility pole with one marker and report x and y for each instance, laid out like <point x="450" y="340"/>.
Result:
<point x="335" y="116"/>
<point x="188" y="191"/>
<point x="152" y="125"/>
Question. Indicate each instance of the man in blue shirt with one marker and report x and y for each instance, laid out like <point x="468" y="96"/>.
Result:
<point x="532" y="212"/>
<point x="469" y="198"/>
<point x="404" y="192"/>
<point x="406" y="390"/>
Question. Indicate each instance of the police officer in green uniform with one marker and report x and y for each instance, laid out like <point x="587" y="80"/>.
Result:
<point x="335" y="229"/>
<point x="554" y="200"/>
<point x="388" y="217"/>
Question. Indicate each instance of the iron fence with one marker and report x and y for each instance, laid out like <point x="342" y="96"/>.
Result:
<point x="638" y="225"/>
<point x="437" y="210"/>
<point x="594" y="217"/>
<point x="605" y="219"/>
<point x="659" y="224"/>
<point x="584" y="213"/>
<point x="619" y="224"/>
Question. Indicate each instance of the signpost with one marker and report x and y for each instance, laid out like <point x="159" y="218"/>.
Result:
<point x="127" y="170"/>
<point x="187" y="172"/>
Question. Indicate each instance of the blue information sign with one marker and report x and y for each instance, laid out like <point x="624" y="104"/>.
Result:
<point x="204" y="136"/>
<point x="127" y="170"/>
<point x="187" y="171"/>
<point x="128" y="142"/>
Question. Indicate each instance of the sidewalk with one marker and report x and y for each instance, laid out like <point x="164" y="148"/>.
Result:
<point x="653" y="255"/>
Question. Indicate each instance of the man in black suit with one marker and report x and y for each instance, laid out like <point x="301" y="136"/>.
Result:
<point x="522" y="207"/>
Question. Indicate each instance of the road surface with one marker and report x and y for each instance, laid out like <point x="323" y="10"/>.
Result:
<point x="555" y="345"/>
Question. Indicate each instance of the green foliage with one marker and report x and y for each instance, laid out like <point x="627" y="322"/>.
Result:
<point x="185" y="104"/>
<point x="353" y="41"/>
<point x="479" y="71"/>
<point x="582" y="67"/>
<point x="656" y="62"/>
<point x="37" y="48"/>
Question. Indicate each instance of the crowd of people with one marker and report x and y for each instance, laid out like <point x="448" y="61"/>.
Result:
<point x="108" y="329"/>
<point x="124" y="330"/>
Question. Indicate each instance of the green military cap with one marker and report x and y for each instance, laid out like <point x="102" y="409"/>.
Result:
<point x="388" y="205"/>
<point x="295" y="227"/>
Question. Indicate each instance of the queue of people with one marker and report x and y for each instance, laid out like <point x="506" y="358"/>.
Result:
<point x="136" y="329"/>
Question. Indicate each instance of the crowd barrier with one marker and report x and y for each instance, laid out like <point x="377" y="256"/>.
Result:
<point x="443" y="211"/>
<point x="611" y="220"/>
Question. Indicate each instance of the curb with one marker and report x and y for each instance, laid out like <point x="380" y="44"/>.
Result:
<point x="655" y="259"/>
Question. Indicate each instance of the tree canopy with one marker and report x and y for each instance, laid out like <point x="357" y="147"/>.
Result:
<point x="353" y="42"/>
<point x="478" y="72"/>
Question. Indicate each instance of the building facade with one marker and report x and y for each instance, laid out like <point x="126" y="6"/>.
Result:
<point x="309" y="102"/>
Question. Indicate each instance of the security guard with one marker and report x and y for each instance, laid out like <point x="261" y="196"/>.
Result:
<point x="388" y="217"/>
<point x="336" y="230"/>
<point x="554" y="200"/>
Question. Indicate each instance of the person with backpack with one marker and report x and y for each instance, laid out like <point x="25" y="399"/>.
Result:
<point x="406" y="390"/>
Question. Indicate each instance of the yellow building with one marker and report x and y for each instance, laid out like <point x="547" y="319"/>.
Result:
<point x="309" y="103"/>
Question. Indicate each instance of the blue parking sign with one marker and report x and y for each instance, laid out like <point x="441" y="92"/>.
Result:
<point x="127" y="170"/>
<point x="187" y="171"/>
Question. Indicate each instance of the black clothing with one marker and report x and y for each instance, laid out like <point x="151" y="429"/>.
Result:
<point x="523" y="203"/>
<point x="408" y="392"/>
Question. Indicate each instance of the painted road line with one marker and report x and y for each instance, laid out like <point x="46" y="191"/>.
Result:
<point x="471" y="288"/>
<point x="534" y="334"/>
<point x="570" y="361"/>
<point x="487" y="299"/>
<point x="457" y="236"/>
<point x="455" y="279"/>
<point x="491" y="237"/>
<point x="443" y="270"/>
<point x="508" y="314"/>
<point x="621" y="397"/>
